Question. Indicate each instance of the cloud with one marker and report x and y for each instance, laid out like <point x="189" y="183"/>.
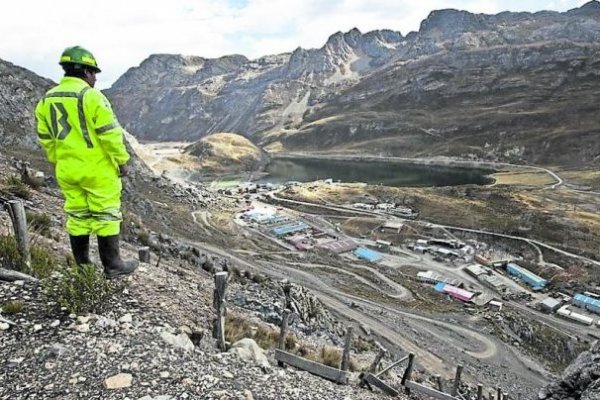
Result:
<point x="121" y="34"/>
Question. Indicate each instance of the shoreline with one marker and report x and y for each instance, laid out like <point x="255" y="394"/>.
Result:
<point x="441" y="161"/>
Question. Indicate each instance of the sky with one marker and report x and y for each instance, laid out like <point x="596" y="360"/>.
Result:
<point x="121" y="33"/>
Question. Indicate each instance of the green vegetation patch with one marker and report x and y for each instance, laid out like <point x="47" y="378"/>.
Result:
<point x="42" y="261"/>
<point x="81" y="289"/>
<point x="12" y="307"/>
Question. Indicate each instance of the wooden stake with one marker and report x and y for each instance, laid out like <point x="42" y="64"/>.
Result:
<point x="438" y="379"/>
<point x="459" y="369"/>
<point x="408" y="370"/>
<point x="287" y="291"/>
<point x="498" y="394"/>
<point x="282" y="332"/>
<point x="382" y="350"/>
<point x="16" y="210"/>
<point x="346" y="354"/>
<point x="479" y="391"/>
<point x="144" y="254"/>
<point x="220" y="308"/>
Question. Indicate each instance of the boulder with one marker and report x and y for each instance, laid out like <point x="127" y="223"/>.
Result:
<point x="248" y="351"/>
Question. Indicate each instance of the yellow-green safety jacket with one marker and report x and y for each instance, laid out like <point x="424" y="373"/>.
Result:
<point x="77" y="127"/>
<point x="82" y="137"/>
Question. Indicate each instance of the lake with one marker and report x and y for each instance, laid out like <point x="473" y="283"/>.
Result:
<point x="397" y="174"/>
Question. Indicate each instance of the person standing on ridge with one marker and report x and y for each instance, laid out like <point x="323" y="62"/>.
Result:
<point x="81" y="136"/>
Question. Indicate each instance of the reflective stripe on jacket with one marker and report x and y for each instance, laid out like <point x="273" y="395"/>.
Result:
<point x="78" y="129"/>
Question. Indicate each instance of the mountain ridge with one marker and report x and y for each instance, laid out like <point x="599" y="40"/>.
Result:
<point x="278" y="101"/>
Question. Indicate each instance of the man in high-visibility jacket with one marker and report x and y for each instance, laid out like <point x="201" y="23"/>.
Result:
<point x="83" y="139"/>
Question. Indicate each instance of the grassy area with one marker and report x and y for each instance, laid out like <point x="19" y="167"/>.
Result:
<point x="523" y="178"/>
<point x="585" y="178"/>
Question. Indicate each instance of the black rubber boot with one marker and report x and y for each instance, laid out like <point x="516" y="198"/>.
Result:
<point x="114" y="266"/>
<point x="80" y="245"/>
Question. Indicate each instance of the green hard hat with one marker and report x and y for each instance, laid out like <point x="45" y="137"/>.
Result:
<point x="79" y="55"/>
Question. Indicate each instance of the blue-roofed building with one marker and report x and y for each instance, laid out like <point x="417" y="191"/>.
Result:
<point x="587" y="303"/>
<point x="367" y="254"/>
<point x="439" y="287"/>
<point x="289" y="228"/>
<point x="528" y="277"/>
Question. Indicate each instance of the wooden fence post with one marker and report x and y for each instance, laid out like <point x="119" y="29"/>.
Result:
<point x="505" y="396"/>
<point x="459" y="369"/>
<point x="19" y="221"/>
<point x="287" y="292"/>
<point x="346" y="354"/>
<point x="479" y="391"/>
<point x="382" y="350"/>
<point x="408" y="370"/>
<point x="220" y="308"/>
<point x="144" y="254"/>
<point x="282" y="332"/>
<point x="498" y="393"/>
<point x="438" y="380"/>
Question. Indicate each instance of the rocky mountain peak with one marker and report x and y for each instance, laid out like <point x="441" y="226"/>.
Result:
<point x="591" y="9"/>
<point x="495" y="58"/>
<point x="450" y="21"/>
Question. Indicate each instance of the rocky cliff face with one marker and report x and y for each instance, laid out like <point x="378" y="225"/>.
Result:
<point x="20" y="90"/>
<point x="580" y="381"/>
<point x="513" y="86"/>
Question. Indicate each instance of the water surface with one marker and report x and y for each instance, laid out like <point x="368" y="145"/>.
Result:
<point x="397" y="174"/>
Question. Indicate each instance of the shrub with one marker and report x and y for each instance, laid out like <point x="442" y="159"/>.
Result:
<point x="40" y="223"/>
<point x="237" y="328"/>
<point x="42" y="262"/>
<point x="328" y="355"/>
<point x="32" y="181"/>
<point x="290" y="342"/>
<point x="12" y="307"/>
<point x="16" y="187"/>
<point x="81" y="289"/>
<point x="331" y="356"/>
<point x="9" y="254"/>
<point x="266" y="337"/>
<point x="361" y="344"/>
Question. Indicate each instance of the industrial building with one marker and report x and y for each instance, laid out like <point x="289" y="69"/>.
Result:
<point x="528" y="277"/>
<point x="493" y="282"/>
<point x="566" y="313"/>
<point x="337" y="246"/>
<point x="550" y="305"/>
<point x="457" y="293"/>
<point x="392" y="226"/>
<point x="290" y="228"/>
<point x="587" y="303"/>
<point x="383" y="244"/>
<point x="433" y="278"/>
<point x="301" y="242"/>
<point x="482" y="260"/>
<point x="475" y="270"/>
<point x="451" y="243"/>
<point x="366" y="254"/>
